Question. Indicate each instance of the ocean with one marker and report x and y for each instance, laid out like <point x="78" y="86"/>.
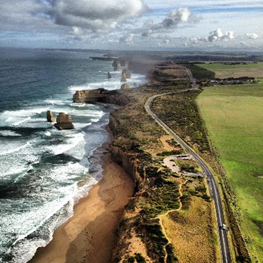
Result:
<point x="43" y="171"/>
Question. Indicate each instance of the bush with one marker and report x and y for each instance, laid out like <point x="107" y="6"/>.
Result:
<point x="174" y="152"/>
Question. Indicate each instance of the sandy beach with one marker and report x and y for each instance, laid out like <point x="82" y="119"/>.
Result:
<point x="90" y="235"/>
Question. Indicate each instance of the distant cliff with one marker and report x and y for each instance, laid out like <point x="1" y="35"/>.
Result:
<point x="101" y="95"/>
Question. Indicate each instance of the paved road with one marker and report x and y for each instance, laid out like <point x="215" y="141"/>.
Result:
<point x="224" y="246"/>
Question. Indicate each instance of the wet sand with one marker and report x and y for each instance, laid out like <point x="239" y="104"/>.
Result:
<point x="90" y="235"/>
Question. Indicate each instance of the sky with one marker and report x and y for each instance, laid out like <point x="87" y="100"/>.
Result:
<point x="205" y="25"/>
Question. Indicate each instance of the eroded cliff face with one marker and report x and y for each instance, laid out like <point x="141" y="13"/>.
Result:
<point x="161" y="197"/>
<point x="128" y="160"/>
<point x="101" y="95"/>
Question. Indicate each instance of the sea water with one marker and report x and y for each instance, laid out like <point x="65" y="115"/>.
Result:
<point x="43" y="171"/>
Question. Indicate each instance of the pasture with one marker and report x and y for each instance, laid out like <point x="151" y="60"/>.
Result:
<point x="233" y="116"/>
<point x="235" y="71"/>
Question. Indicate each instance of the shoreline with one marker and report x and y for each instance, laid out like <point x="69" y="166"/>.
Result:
<point x="91" y="231"/>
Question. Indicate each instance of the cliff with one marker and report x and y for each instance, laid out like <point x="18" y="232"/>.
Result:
<point x="127" y="159"/>
<point x="165" y="204"/>
<point x="101" y="95"/>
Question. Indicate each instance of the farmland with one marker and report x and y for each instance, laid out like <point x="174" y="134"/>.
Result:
<point x="239" y="70"/>
<point x="234" y="120"/>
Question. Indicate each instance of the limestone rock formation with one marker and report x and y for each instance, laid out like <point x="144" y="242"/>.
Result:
<point x="127" y="73"/>
<point x="100" y="95"/>
<point x="109" y="75"/>
<point x="123" y="77"/>
<point x="64" y="122"/>
<point x="125" y="87"/>
<point x="50" y="116"/>
<point x="125" y="63"/>
<point x="89" y="96"/>
<point x="116" y="65"/>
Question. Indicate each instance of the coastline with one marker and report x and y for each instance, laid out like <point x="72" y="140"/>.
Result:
<point x="91" y="232"/>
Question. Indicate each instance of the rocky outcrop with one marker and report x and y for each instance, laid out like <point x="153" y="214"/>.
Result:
<point x="127" y="73"/>
<point x="127" y="160"/>
<point x="109" y="75"/>
<point x="100" y="95"/>
<point x="89" y="96"/>
<point x="125" y="63"/>
<point x="123" y="77"/>
<point x="116" y="65"/>
<point x="50" y="116"/>
<point x="64" y="122"/>
<point x="125" y="87"/>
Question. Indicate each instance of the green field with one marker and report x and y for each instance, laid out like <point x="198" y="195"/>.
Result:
<point x="234" y="118"/>
<point x="239" y="70"/>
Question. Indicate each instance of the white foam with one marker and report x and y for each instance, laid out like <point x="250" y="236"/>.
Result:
<point x="87" y="113"/>
<point x="17" y="149"/>
<point x="79" y="105"/>
<point x="80" y="126"/>
<point x="22" y="113"/>
<point x="14" y="170"/>
<point x="18" y="117"/>
<point x="72" y="141"/>
<point x="55" y="102"/>
<point x="8" y="133"/>
<point x="72" y="89"/>
<point x="48" y="134"/>
<point x="22" y="121"/>
<point x="25" y="249"/>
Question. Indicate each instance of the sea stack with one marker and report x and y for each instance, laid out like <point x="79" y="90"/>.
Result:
<point x="123" y="77"/>
<point x="109" y="75"/>
<point x="64" y="122"/>
<point x="125" y="87"/>
<point x="127" y="73"/>
<point x="117" y="65"/>
<point x="50" y="116"/>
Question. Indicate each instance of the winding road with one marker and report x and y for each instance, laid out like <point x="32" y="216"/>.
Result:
<point x="224" y="246"/>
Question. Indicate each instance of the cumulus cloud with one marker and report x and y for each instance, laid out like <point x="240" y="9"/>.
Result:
<point x="217" y="35"/>
<point x="94" y="14"/>
<point x="252" y="35"/>
<point x="176" y="17"/>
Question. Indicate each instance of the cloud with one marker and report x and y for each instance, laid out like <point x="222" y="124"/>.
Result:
<point x="93" y="14"/>
<point x="77" y="31"/>
<point x="166" y="41"/>
<point x="252" y="35"/>
<point x="127" y="39"/>
<point x="217" y="35"/>
<point x="177" y="16"/>
<point x="147" y="34"/>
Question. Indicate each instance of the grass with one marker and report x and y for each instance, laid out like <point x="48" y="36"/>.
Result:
<point x="140" y="147"/>
<point x="239" y="70"/>
<point x="191" y="233"/>
<point x="234" y="119"/>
